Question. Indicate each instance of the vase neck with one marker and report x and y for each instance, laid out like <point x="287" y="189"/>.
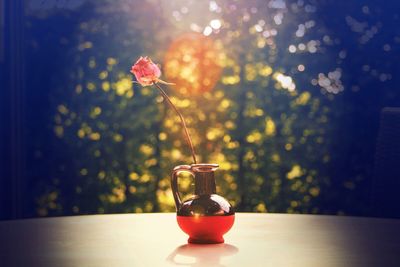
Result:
<point x="204" y="183"/>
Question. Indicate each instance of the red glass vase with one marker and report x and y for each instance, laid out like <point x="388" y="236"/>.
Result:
<point x="205" y="216"/>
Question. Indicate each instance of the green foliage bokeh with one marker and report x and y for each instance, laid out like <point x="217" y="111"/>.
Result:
<point x="268" y="122"/>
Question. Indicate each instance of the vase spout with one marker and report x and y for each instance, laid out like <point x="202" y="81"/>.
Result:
<point x="204" y="167"/>
<point x="204" y="181"/>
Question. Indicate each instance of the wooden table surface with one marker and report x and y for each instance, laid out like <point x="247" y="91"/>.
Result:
<point x="155" y="240"/>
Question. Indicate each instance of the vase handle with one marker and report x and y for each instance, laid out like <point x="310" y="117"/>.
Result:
<point x="174" y="182"/>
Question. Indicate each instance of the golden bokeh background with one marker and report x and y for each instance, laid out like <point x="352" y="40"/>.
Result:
<point x="194" y="63"/>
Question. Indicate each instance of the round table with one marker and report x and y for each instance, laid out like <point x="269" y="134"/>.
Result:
<point x="155" y="240"/>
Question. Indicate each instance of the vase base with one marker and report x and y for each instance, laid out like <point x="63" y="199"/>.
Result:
<point x="205" y="229"/>
<point x="206" y="241"/>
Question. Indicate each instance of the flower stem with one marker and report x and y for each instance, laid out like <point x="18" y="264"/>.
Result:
<point x="188" y="138"/>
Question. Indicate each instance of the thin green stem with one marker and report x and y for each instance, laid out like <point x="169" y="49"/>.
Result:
<point x="188" y="138"/>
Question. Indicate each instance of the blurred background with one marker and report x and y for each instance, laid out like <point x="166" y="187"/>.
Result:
<point x="284" y="95"/>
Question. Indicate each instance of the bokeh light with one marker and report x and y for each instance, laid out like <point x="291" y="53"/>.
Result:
<point x="193" y="62"/>
<point x="281" y="89"/>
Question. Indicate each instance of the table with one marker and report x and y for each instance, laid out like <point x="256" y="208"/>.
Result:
<point x="155" y="240"/>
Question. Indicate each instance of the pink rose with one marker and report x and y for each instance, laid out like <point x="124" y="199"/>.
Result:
<point x="145" y="71"/>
